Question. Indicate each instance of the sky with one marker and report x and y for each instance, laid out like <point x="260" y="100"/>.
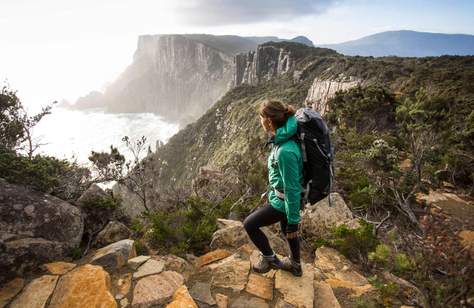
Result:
<point x="62" y="49"/>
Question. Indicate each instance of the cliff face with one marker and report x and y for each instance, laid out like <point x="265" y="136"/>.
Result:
<point x="181" y="76"/>
<point x="322" y="91"/>
<point x="260" y="65"/>
<point x="173" y="76"/>
<point x="313" y="77"/>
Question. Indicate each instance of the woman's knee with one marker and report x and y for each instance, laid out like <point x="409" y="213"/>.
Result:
<point x="249" y="224"/>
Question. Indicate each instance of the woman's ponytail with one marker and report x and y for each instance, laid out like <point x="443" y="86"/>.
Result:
<point x="278" y="112"/>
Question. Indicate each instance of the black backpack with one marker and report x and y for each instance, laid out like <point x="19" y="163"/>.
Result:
<point x="314" y="138"/>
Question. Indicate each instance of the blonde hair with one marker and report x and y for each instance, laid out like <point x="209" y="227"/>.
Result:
<point x="277" y="111"/>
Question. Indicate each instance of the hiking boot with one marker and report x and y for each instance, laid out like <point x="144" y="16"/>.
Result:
<point x="288" y="264"/>
<point x="264" y="263"/>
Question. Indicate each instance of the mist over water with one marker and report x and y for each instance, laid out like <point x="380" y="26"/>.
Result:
<point x="72" y="133"/>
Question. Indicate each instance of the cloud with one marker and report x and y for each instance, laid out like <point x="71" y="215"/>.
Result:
<point x="224" y="12"/>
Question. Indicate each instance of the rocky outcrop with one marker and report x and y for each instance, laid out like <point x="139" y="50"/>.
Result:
<point x="318" y="220"/>
<point x="130" y="203"/>
<point x="113" y="232"/>
<point x="263" y="64"/>
<point x="221" y="278"/>
<point x="340" y="273"/>
<point x="323" y="90"/>
<point x="34" y="228"/>
<point x="459" y="208"/>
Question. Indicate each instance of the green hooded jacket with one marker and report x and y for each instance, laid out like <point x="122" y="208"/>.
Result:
<point x="285" y="171"/>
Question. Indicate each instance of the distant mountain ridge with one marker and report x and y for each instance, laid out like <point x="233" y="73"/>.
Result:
<point x="406" y="43"/>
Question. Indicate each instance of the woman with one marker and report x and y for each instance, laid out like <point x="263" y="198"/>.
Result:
<point x="285" y="175"/>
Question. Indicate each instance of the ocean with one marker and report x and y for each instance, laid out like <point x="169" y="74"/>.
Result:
<point x="73" y="134"/>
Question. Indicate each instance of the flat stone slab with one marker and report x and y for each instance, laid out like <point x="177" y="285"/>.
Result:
<point x="10" y="290"/>
<point x="245" y="301"/>
<point x="298" y="291"/>
<point x="36" y="293"/>
<point x="212" y="256"/>
<point x="324" y="296"/>
<point x="134" y="263"/>
<point x="340" y="272"/>
<point x="59" y="268"/>
<point x="201" y="291"/>
<point x="156" y="290"/>
<point x="115" y="255"/>
<point x="260" y="286"/>
<point x="231" y="274"/>
<point x="148" y="268"/>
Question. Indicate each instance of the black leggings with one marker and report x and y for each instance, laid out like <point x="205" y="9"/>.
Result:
<point x="264" y="216"/>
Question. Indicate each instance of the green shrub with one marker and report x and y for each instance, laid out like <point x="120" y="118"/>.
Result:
<point x="189" y="228"/>
<point x="101" y="202"/>
<point x="44" y="173"/>
<point x="352" y="243"/>
<point x="381" y="254"/>
<point x="402" y="263"/>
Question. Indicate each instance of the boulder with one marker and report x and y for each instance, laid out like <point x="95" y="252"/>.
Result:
<point x="36" y="293"/>
<point x="324" y="296"/>
<point x="319" y="219"/>
<point x="123" y="285"/>
<point x="157" y="289"/>
<point x="230" y="273"/>
<point x="467" y="240"/>
<point x="131" y="204"/>
<point x="10" y="290"/>
<point x="182" y="299"/>
<point x="59" y="268"/>
<point x="150" y="267"/>
<point x="93" y="192"/>
<point x="114" y="255"/>
<point x="222" y="300"/>
<point x="113" y="232"/>
<point x="246" y="301"/>
<point x="231" y="235"/>
<point x="201" y="291"/>
<point x="297" y="291"/>
<point x="260" y="286"/>
<point x="134" y="263"/>
<point x="212" y="256"/>
<point x="96" y="217"/>
<point x="85" y="286"/>
<point x="451" y="204"/>
<point x="340" y="272"/>
<point x="36" y="228"/>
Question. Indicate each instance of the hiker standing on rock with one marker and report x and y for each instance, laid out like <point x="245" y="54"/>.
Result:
<point x="285" y="174"/>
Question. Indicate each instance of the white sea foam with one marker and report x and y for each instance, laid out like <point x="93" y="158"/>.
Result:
<point x="67" y="133"/>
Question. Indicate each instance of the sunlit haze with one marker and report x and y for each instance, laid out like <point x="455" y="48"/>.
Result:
<point x="54" y="50"/>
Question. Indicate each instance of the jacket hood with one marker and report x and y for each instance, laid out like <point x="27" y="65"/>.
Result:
<point x="286" y="131"/>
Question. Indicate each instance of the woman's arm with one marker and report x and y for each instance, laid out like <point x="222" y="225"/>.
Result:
<point x="290" y="173"/>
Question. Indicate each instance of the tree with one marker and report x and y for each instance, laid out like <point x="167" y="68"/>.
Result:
<point x="16" y="125"/>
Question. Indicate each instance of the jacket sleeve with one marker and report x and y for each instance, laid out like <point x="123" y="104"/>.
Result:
<point x="288" y="166"/>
